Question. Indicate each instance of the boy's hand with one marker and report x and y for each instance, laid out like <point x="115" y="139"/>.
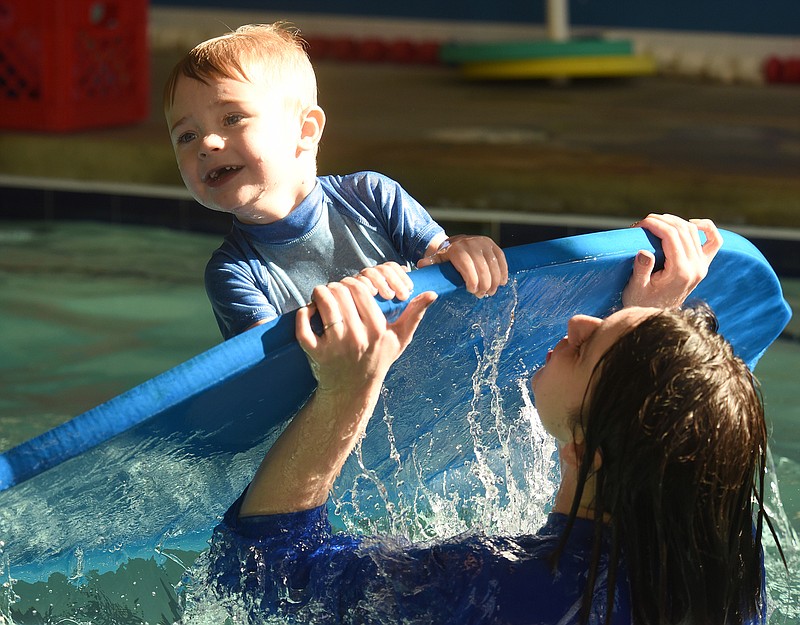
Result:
<point x="686" y="261"/>
<point x="478" y="259"/>
<point x="389" y="280"/>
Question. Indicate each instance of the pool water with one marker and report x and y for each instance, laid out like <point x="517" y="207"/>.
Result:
<point x="90" y="310"/>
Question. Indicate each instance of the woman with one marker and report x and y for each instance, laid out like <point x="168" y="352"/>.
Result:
<point x="665" y="451"/>
<point x="652" y="519"/>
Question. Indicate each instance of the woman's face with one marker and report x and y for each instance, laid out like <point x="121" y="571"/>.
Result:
<point x="560" y="385"/>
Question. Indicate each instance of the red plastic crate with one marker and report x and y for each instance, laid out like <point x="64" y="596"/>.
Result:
<point x="73" y="64"/>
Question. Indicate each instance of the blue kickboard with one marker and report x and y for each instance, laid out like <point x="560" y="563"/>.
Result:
<point x="158" y="464"/>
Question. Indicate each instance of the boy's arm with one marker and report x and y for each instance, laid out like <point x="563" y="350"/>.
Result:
<point x="479" y="260"/>
<point x="350" y="360"/>
<point x="236" y="300"/>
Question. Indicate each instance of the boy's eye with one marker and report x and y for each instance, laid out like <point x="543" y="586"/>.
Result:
<point x="185" y="137"/>
<point x="233" y="119"/>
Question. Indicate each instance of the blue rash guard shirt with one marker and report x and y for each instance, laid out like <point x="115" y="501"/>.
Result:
<point x="346" y="223"/>
<point x="291" y="567"/>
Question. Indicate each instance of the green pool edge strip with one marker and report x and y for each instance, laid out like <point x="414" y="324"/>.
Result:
<point x="457" y="53"/>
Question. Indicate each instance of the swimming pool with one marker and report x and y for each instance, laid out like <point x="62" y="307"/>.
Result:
<point x="90" y="310"/>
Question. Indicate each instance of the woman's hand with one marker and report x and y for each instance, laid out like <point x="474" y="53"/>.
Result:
<point x="350" y="360"/>
<point x="686" y="261"/>
<point x="358" y="345"/>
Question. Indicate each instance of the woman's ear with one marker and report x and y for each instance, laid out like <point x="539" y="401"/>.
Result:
<point x="598" y="460"/>
<point x="572" y="455"/>
<point x="311" y="127"/>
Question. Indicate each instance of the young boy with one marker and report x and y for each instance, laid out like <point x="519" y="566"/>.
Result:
<point x="245" y="125"/>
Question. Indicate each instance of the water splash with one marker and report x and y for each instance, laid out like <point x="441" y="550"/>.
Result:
<point x="477" y="457"/>
<point x="783" y="581"/>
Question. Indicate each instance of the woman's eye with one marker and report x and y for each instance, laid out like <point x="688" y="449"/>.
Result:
<point x="576" y="342"/>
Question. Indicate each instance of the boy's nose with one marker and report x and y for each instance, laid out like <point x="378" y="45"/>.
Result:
<point x="211" y="143"/>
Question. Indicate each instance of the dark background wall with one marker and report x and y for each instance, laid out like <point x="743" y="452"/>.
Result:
<point x="771" y="17"/>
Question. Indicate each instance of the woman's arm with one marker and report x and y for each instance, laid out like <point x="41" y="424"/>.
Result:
<point x="350" y="360"/>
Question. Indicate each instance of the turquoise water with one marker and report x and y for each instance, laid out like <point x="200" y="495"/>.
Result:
<point x="89" y="311"/>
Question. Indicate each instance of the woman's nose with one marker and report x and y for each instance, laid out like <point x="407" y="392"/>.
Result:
<point x="580" y="327"/>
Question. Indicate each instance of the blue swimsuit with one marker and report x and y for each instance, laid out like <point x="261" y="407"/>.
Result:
<point x="345" y="224"/>
<point x="292" y="567"/>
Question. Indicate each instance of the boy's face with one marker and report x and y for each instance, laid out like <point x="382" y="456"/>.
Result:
<point x="238" y="148"/>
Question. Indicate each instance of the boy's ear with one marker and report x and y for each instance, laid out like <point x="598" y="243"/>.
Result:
<point x="311" y="126"/>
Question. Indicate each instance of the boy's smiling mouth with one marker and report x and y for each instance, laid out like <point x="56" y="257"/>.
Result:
<point x="220" y="175"/>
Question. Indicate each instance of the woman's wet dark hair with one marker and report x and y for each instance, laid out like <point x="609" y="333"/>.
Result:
<point x="678" y="422"/>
